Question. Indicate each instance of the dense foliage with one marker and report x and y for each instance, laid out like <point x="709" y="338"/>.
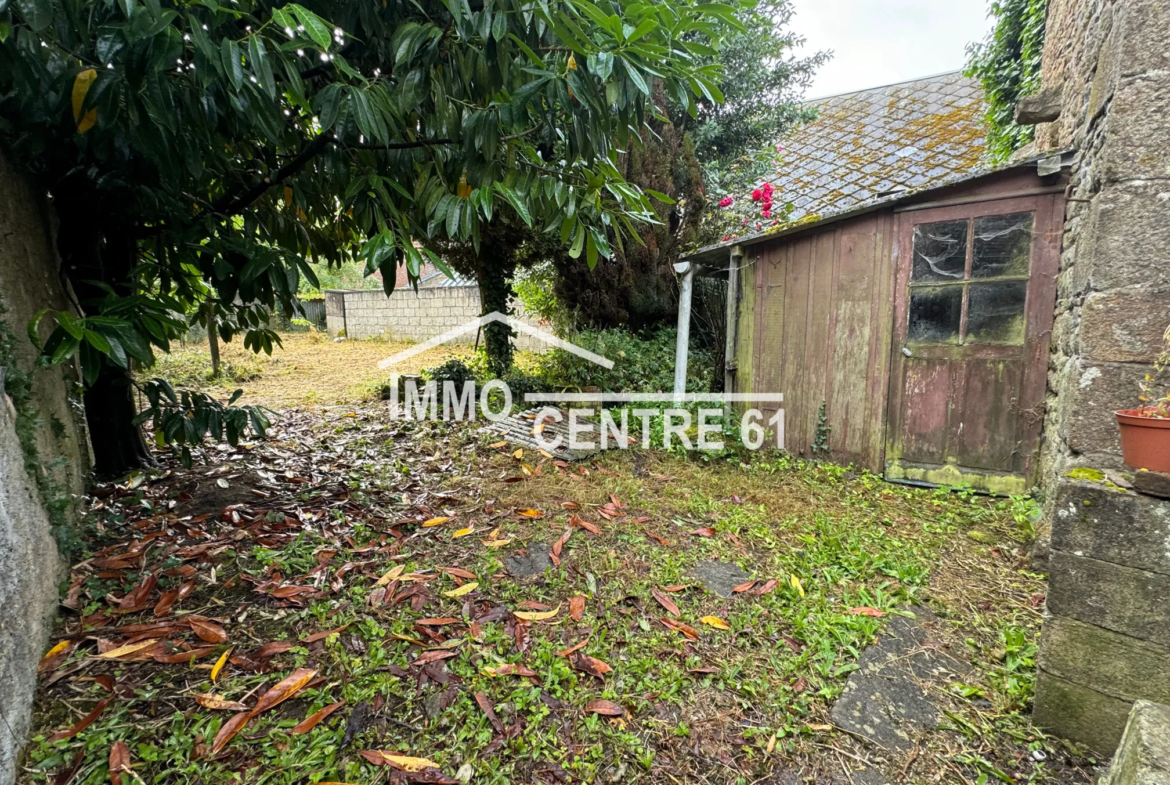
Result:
<point x="763" y="84"/>
<point x="698" y="159"/>
<point x="1007" y="63"/>
<point x="201" y="152"/>
<point x="642" y="363"/>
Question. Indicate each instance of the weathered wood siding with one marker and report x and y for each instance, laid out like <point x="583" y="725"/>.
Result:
<point x="815" y="325"/>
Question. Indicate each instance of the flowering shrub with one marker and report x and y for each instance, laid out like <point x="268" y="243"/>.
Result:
<point x="757" y="211"/>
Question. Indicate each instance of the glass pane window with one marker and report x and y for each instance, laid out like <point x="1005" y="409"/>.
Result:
<point x="955" y="296"/>
<point x="995" y="312"/>
<point x="936" y="314"/>
<point x="1002" y="245"/>
<point x="940" y="251"/>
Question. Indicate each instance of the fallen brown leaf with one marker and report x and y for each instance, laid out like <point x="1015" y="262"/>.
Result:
<point x="678" y="626"/>
<point x="591" y="665"/>
<point x="577" y="607"/>
<point x="229" y="729"/>
<point x="666" y="603"/>
<point x="119" y="762"/>
<point x="177" y="657"/>
<point x="83" y="723"/>
<point x="210" y="701"/>
<point x="485" y="705"/>
<point x="865" y="610"/>
<point x="310" y="722"/>
<point x="573" y="648"/>
<point x="207" y="630"/>
<point x="604" y="707"/>
<point x="284" y="689"/>
<point x="320" y="636"/>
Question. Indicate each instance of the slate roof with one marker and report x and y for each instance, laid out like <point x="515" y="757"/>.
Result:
<point x="871" y="145"/>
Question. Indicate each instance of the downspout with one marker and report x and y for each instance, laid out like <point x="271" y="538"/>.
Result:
<point x="731" y="328"/>
<point x="687" y="272"/>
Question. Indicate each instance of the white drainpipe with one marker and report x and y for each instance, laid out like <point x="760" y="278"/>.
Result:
<point x="687" y="272"/>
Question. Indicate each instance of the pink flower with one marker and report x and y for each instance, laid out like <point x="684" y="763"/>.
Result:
<point x="779" y="148"/>
<point x="757" y="195"/>
<point x="768" y="190"/>
<point x="726" y="237"/>
<point x="725" y="201"/>
<point x="767" y="205"/>
<point x="767" y="213"/>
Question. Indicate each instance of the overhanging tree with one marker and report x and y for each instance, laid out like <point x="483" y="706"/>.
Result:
<point x="694" y="152"/>
<point x="206" y="152"/>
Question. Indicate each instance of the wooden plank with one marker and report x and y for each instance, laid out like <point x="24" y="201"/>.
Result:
<point x="881" y="338"/>
<point x="817" y="337"/>
<point x="926" y="397"/>
<point x="796" y="432"/>
<point x="1040" y="311"/>
<point x="983" y="429"/>
<point x="851" y="326"/>
<point x="731" y="320"/>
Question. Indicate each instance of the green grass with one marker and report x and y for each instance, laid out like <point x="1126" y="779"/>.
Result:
<point x="846" y="537"/>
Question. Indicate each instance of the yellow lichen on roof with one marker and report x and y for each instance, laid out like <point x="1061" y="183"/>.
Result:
<point x="868" y="145"/>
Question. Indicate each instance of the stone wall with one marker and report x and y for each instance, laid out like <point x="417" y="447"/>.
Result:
<point x="410" y="315"/>
<point x="1113" y="301"/>
<point x="1144" y="755"/>
<point x="1105" y="641"/>
<point x="51" y="464"/>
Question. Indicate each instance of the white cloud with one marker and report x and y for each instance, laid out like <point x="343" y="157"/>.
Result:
<point x="877" y="42"/>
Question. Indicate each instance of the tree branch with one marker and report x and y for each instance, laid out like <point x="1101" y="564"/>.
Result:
<point x="521" y="134"/>
<point x="398" y="145"/>
<point x="227" y="206"/>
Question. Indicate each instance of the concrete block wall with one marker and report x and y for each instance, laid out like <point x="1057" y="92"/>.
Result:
<point x="412" y="316"/>
<point x="1105" y="641"/>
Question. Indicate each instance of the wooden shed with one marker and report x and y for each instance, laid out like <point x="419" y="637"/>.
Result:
<point x="909" y="335"/>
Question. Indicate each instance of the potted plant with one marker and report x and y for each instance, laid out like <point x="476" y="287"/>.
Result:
<point x="1145" y="431"/>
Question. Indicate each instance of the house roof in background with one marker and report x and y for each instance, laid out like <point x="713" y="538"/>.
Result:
<point x="874" y="144"/>
<point x="439" y="279"/>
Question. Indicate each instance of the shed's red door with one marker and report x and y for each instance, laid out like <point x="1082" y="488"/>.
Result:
<point x="975" y="294"/>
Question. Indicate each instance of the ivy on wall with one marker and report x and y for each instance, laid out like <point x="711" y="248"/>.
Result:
<point x="1007" y="63"/>
<point x="17" y="385"/>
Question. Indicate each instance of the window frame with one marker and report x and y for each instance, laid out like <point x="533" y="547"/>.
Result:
<point x="961" y="337"/>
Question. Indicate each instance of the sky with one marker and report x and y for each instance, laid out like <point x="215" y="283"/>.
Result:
<point x="878" y="42"/>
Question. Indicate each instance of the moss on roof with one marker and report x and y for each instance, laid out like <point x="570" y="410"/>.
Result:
<point x="867" y="144"/>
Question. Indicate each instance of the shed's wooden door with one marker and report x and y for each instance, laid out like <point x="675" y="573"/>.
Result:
<point x="975" y="294"/>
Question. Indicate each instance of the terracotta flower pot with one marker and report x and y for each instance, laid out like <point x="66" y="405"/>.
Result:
<point x="1145" y="441"/>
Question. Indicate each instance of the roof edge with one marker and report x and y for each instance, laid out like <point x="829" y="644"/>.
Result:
<point x="718" y="251"/>
<point x="820" y="98"/>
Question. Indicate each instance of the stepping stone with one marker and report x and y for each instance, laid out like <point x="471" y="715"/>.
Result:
<point x="532" y="564"/>
<point x="883" y="700"/>
<point x="719" y="577"/>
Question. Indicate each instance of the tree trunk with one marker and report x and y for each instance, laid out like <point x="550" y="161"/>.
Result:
<point x="118" y="445"/>
<point x="213" y="339"/>
<point x="93" y="250"/>
<point x="495" y="271"/>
